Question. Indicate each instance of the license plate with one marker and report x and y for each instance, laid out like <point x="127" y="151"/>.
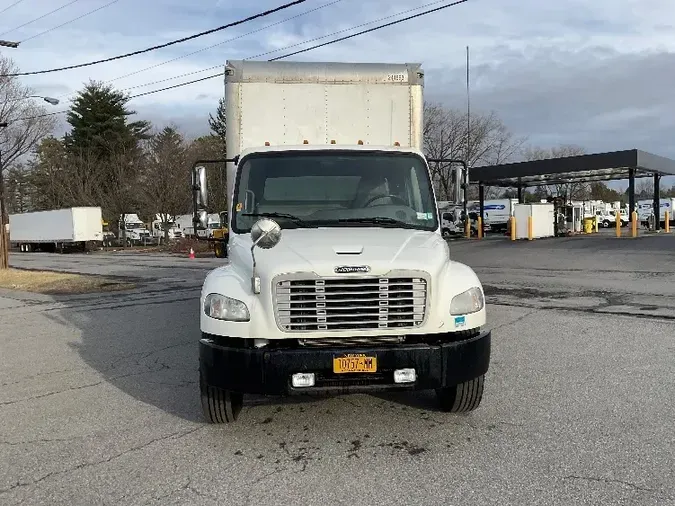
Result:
<point x="354" y="364"/>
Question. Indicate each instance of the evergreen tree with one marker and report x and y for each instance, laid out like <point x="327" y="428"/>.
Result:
<point x="219" y="125"/>
<point x="100" y="122"/>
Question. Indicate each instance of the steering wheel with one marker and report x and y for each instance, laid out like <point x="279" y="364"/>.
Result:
<point x="378" y="197"/>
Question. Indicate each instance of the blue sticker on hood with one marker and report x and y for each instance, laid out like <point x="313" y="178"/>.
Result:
<point x="460" y="321"/>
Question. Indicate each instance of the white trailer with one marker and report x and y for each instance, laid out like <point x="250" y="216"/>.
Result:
<point x="338" y="277"/>
<point x="57" y="230"/>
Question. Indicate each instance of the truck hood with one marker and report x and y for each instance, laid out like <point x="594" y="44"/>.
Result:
<point x="322" y="250"/>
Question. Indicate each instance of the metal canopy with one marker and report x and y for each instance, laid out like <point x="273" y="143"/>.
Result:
<point x="574" y="169"/>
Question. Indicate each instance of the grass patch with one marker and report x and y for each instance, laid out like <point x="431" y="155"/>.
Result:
<point x="58" y="283"/>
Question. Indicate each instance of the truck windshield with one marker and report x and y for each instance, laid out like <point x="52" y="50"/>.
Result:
<point x="335" y="189"/>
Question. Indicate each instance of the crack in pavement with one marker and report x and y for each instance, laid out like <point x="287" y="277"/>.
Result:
<point x="175" y="435"/>
<point x="611" y="481"/>
<point x="594" y="311"/>
<point x="514" y="321"/>
<point x="161" y="367"/>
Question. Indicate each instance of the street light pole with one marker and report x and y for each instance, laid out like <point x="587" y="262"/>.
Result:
<point x="4" y="218"/>
<point x="4" y="240"/>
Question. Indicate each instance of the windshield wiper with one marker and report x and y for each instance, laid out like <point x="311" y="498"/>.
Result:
<point x="291" y="217"/>
<point x="377" y="220"/>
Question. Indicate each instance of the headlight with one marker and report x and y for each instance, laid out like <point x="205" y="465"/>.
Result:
<point x="225" y="308"/>
<point x="467" y="302"/>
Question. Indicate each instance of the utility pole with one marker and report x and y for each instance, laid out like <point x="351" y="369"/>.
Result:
<point x="468" y="137"/>
<point x="4" y="240"/>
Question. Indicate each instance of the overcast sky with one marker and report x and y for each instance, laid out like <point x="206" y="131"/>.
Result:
<point x="599" y="74"/>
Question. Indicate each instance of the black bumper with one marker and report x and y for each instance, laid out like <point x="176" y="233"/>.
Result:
<point x="268" y="371"/>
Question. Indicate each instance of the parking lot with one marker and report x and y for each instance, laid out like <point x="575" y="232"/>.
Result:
<point x="99" y="395"/>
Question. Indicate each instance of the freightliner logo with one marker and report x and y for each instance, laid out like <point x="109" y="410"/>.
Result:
<point x="347" y="269"/>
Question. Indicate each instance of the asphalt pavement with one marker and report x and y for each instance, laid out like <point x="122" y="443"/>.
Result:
<point x="99" y="398"/>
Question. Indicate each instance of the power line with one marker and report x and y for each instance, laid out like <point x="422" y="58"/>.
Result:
<point x="456" y="2"/>
<point x="68" y="22"/>
<point x="408" y="18"/>
<point x="39" y="18"/>
<point x="305" y="42"/>
<point x="220" y="74"/>
<point x="161" y="46"/>
<point x="333" y="2"/>
<point x="11" y="5"/>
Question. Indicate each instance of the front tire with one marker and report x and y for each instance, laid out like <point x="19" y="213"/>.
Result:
<point x="461" y="398"/>
<point x="219" y="250"/>
<point x="218" y="405"/>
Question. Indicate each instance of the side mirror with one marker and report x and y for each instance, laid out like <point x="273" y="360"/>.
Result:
<point x="200" y="193"/>
<point x="265" y="233"/>
<point x="203" y="219"/>
<point x="458" y="185"/>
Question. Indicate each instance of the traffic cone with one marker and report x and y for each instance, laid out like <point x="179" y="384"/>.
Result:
<point x="192" y="253"/>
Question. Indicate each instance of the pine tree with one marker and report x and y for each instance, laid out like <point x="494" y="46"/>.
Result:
<point x="100" y="122"/>
<point x="219" y="125"/>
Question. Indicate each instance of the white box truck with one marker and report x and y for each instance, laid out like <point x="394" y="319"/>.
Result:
<point x="338" y="277"/>
<point x="57" y="230"/>
<point x="645" y="209"/>
<point x="496" y="212"/>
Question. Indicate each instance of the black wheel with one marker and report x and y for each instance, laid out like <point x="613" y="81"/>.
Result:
<point x="463" y="397"/>
<point x="220" y="406"/>
<point x="220" y="250"/>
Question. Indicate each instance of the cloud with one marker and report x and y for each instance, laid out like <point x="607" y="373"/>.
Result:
<point x="597" y="74"/>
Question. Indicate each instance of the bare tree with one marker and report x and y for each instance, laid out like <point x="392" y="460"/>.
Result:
<point x="26" y="121"/>
<point x="124" y="164"/>
<point x="164" y="180"/>
<point x="445" y="136"/>
<point x="571" y="191"/>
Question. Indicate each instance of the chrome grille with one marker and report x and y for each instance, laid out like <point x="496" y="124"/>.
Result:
<point x="350" y="341"/>
<point x="350" y="303"/>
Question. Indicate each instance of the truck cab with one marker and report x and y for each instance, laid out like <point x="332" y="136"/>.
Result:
<point x="338" y="279"/>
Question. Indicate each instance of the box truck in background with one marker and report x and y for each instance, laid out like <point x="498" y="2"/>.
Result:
<point x="79" y="228"/>
<point x="496" y="212"/>
<point x="645" y="209"/>
<point x="338" y="277"/>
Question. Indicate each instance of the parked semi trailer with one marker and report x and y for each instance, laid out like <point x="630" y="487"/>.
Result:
<point x="76" y="228"/>
<point x="338" y="279"/>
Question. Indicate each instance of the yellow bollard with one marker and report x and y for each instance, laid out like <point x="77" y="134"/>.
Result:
<point x="513" y="228"/>
<point x="467" y="228"/>
<point x="667" y="223"/>
<point x="634" y="224"/>
<point x="595" y="224"/>
<point x="480" y="227"/>
<point x="618" y="223"/>
<point x="530" y="234"/>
